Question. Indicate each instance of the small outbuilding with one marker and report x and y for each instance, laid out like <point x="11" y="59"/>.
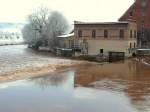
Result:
<point x="66" y="41"/>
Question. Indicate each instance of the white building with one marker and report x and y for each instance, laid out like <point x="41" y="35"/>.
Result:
<point x="105" y="37"/>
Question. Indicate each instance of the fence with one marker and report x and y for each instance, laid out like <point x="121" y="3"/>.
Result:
<point x="116" y="56"/>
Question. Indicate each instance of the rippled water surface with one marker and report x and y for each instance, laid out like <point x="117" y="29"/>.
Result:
<point x="19" y="57"/>
<point x="115" y="87"/>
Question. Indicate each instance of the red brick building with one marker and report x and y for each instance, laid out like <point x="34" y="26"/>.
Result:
<point x="140" y="11"/>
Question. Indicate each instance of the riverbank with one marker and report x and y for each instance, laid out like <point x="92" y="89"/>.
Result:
<point x="147" y="59"/>
<point x="143" y="59"/>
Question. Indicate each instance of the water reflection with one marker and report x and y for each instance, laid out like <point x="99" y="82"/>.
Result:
<point x="116" y="87"/>
<point x="130" y="78"/>
<point x="54" y="79"/>
<point x="83" y="99"/>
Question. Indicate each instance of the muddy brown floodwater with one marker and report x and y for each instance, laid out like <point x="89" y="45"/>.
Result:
<point x="18" y="62"/>
<point x="18" y="57"/>
<point x="116" y="87"/>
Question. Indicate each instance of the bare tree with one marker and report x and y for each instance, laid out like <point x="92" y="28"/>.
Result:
<point x="29" y="34"/>
<point x="57" y="25"/>
<point x="38" y="19"/>
<point x="36" y="23"/>
<point x="44" y="26"/>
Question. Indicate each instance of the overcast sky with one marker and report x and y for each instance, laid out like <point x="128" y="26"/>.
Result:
<point x="83" y="10"/>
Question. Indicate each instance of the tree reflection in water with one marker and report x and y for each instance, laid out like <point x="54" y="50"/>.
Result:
<point x="52" y="79"/>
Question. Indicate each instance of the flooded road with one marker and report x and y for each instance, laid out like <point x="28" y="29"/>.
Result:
<point x="18" y="57"/>
<point x="115" y="87"/>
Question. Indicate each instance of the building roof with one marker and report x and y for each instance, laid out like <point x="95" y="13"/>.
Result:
<point x="100" y="23"/>
<point x="125" y="15"/>
<point x="66" y="35"/>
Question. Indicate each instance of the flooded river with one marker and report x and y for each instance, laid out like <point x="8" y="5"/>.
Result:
<point x="19" y="57"/>
<point x="115" y="87"/>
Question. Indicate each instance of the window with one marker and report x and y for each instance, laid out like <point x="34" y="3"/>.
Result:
<point x="105" y="33"/>
<point x="93" y="33"/>
<point x="121" y="34"/>
<point x="143" y="5"/>
<point x="130" y="33"/>
<point x="80" y="33"/>
<point x="134" y="45"/>
<point x="131" y="13"/>
<point x="135" y="34"/>
<point x="130" y="45"/>
<point x="143" y="11"/>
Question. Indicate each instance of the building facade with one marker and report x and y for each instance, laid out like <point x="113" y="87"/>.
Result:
<point x="102" y="38"/>
<point x="140" y="11"/>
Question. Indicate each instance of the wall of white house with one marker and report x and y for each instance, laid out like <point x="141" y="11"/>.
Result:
<point x="94" y="46"/>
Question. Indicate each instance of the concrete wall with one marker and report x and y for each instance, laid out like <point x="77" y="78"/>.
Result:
<point x="94" y="46"/>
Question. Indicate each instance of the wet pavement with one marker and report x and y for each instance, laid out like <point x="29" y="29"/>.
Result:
<point x="116" y="87"/>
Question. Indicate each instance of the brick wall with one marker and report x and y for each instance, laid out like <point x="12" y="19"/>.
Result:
<point x="135" y="12"/>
